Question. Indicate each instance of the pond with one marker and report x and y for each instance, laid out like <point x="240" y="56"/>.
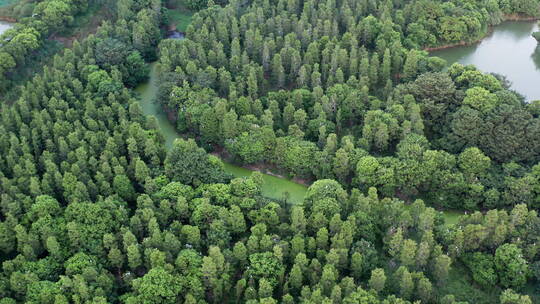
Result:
<point x="273" y="187"/>
<point x="509" y="50"/>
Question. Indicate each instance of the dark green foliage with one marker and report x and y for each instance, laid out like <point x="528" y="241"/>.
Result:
<point x="47" y="17"/>
<point x="536" y="36"/>
<point x="352" y="89"/>
<point x="482" y="268"/>
<point x="94" y="210"/>
<point x="196" y="4"/>
<point x="511" y="266"/>
<point x="189" y="164"/>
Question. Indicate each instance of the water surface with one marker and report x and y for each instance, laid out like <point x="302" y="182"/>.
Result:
<point x="510" y="51"/>
<point x="273" y="187"/>
<point x="4" y="26"/>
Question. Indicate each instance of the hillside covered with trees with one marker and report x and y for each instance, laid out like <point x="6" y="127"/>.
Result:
<point x="320" y="92"/>
<point x="341" y="94"/>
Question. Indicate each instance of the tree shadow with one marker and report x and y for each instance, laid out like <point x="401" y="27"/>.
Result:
<point x="535" y="56"/>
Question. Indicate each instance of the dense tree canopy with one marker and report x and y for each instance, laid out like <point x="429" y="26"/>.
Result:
<point x="93" y="209"/>
<point x="319" y="92"/>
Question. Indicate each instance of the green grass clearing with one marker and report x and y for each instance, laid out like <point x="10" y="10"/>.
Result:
<point x="462" y="286"/>
<point x="283" y="189"/>
<point x="451" y="217"/>
<point x="178" y="15"/>
<point x="180" y="19"/>
<point x="274" y="187"/>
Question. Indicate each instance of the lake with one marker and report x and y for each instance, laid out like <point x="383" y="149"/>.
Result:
<point x="273" y="187"/>
<point x="509" y="50"/>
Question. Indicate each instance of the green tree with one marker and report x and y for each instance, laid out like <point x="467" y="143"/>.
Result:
<point x="406" y="283"/>
<point x="480" y="99"/>
<point x="377" y="280"/>
<point x="511" y="266"/>
<point x="189" y="164"/>
<point x="157" y="286"/>
<point x="510" y="297"/>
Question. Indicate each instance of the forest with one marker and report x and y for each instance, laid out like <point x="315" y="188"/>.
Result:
<point x="341" y="95"/>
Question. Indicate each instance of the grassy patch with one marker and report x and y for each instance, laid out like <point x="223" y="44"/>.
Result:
<point x="179" y="19"/>
<point x="274" y="187"/>
<point x="178" y="15"/>
<point x="451" y="217"/>
<point x="462" y="286"/>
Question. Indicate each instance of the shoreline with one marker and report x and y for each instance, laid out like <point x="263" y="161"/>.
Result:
<point x="220" y="152"/>
<point x="8" y="19"/>
<point x="259" y="167"/>
<point x="489" y="32"/>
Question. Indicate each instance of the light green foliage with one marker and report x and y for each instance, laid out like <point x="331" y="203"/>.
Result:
<point x="480" y="99"/>
<point x="156" y="287"/>
<point x="326" y="197"/>
<point x="267" y="266"/>
<point x="510" y="297"/>
<point x="377" y="280"/>
<point x="473" y="162"/>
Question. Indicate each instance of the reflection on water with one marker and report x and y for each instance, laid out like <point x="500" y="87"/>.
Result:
<point x="510" y="51"/>
<point x="4" y="26"/>
<point x="175" y="35"/>
<point x="536" y="57"/>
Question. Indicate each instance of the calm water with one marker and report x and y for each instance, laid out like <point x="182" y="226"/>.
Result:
<point x="510" y="51"/>
<point x="4" y="26"/>
<point x="273" y="187"/>
<point x="175" y="35"/>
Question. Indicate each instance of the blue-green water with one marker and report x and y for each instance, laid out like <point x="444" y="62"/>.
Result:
<point x="509" y="50"/>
